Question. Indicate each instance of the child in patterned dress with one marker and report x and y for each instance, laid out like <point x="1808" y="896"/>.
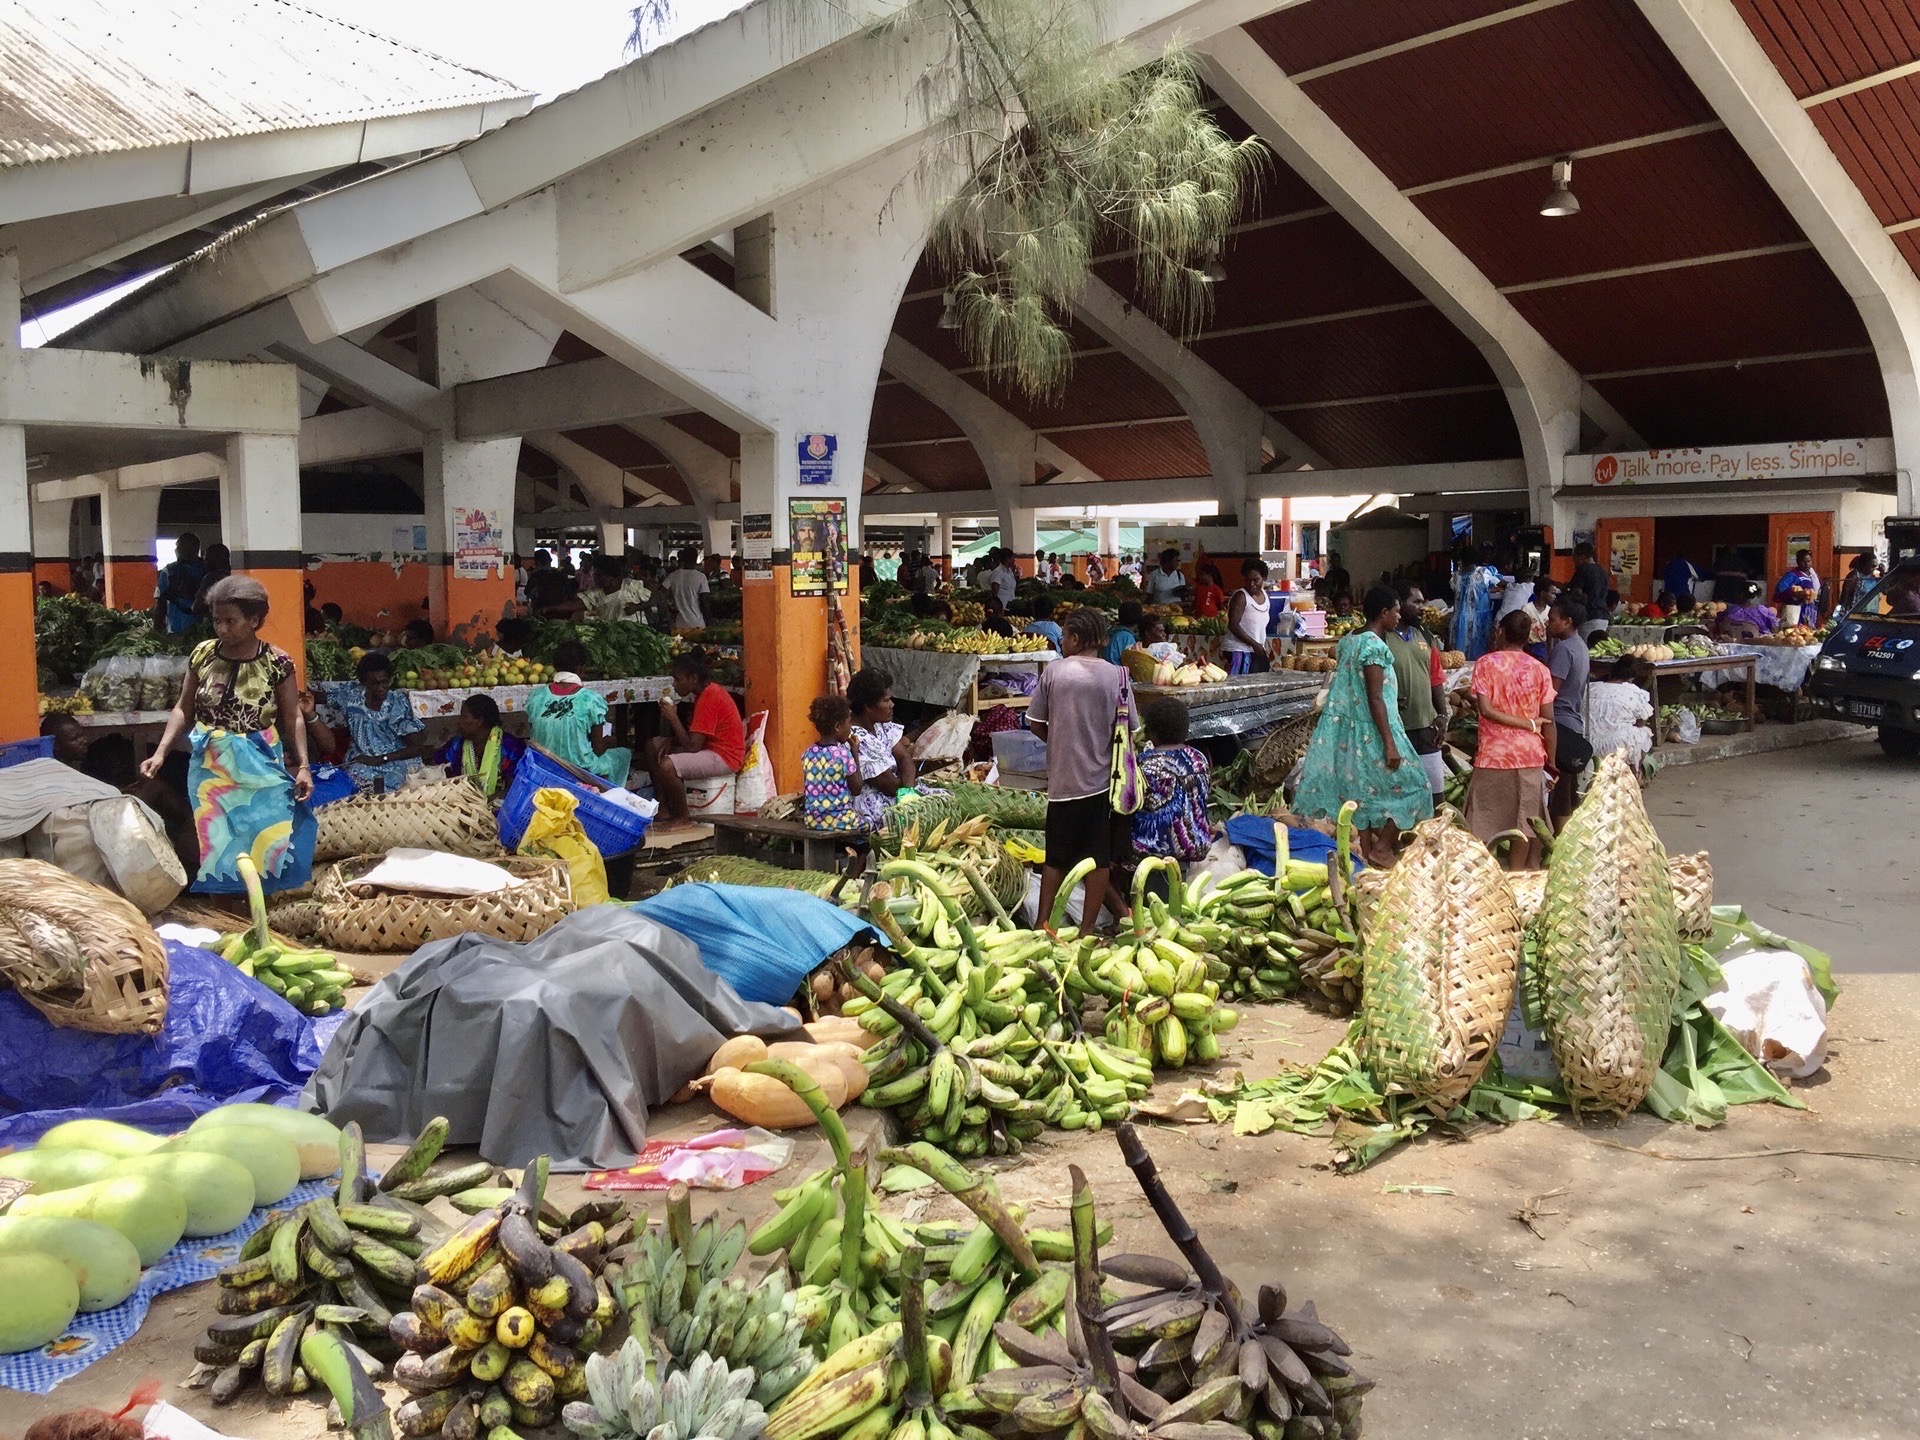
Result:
<point x="830" y="774"/>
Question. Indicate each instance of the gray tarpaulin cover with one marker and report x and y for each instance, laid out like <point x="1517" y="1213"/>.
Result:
<point x="557" y="1047"/>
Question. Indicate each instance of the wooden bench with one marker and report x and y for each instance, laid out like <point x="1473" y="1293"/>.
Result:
<point x="823" y="850"/>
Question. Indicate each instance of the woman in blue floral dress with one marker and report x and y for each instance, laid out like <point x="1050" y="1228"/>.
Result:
<point x="1359" y="750"/>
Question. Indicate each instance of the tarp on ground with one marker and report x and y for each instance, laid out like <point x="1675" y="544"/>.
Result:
<point x="227" y="1038"/>
<point x="557" y="1047"/>
<point x="761" y="940"/>
<point x="1254" y="834"/>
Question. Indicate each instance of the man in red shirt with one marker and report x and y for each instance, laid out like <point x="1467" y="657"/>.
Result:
<point x="714" y="743"/>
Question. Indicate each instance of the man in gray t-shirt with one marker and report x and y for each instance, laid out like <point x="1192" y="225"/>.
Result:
<point x="1073" y="710"/>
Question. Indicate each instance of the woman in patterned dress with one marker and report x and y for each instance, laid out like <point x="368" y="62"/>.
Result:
<point x="1360" y="750"/>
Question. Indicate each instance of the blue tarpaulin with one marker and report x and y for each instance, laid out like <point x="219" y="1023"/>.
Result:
<point x="1254" y="834"/>
<point x="227" y="1038"/>
<point x="761" y="940"/>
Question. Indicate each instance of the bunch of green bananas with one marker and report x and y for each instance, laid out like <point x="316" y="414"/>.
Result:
<point x="310" y="980"/>
<point x="307" y="1301"/>
<point x="507" y="1308"/>
<point x="707" y="1399"/>
<point x="679" y="1283"/>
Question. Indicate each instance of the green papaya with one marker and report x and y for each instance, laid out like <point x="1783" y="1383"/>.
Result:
<point x="317" y="1140"/>
<point x="51" y="1170"/>
<point x="38" y="1300"/>
<point x="269" y="1156"/>
<point x="219" y="1191"/>
<point x="147" y="1210"/>
<point x="103" y="1262"/>
<point x="109" y="1137"/>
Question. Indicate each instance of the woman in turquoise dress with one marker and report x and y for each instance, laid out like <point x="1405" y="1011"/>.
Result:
<point x="1359" y="750"/>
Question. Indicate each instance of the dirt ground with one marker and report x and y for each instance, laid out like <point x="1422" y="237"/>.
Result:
<point x="1740" y="1282"/>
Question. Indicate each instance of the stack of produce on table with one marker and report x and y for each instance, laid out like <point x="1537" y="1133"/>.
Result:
<point x="1686" y="647"/>
<point x="1346" y="624"/>
<point x="1197" y="624"/>
<point x="1608" y="976"/>
<point x="1793" y="635"/>
<point x="1310" y="664"/>
<point x="123" y="682"/>
<point x="450" y="667"/>
<point x="1145" y="669"/>
<point x="72" y="633"/>
<point x="309" y="980"/>
<point x="967" y="860"/>
<point x="956" y="639"/>
<point x="108" y="1200"/>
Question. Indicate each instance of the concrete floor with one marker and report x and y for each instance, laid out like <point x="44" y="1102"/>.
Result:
<point x="1749" y="1285"/>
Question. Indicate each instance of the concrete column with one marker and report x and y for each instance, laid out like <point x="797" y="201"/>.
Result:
<point x="129" y="522"/>
<point x="1020" y="533"/>
<point x="52" y="544"/>
<point x="1110" y="541"/>
<point x="20" y="696"/>
<point x="260" y="517"/>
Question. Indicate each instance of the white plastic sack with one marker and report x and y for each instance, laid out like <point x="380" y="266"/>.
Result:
<point x="1771" y="1005"/>
<point x="755" y="785"/>
<point x="430" y="872"/>
<point x="138" y="855"/>
<point x="1223" y="859"/>
<point x="1616" y="720"/>
<point x="945" y="739"/>
<point x="1685" y="728"/>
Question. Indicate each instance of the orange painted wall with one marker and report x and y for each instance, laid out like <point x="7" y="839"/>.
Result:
<point x="131" y="583"/>
<point x="1638" y="588"/>
<point x="286" y="613"/>
<point x="1817" y="526"/>
<point x="370" y="593"/>
<point x="785" y="658"/>
<point x="57" y="573"/>
<point x="20" y="698"/>
<point x="466" y="609"/>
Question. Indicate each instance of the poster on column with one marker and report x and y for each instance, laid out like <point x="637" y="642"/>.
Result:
<point x="1624" y="558"/>
<point x="817" y="531"/>
<point x="479" y="544"/>
<point x="756" y="547"/>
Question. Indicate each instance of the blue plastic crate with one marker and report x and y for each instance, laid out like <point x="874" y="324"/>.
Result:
<point x="613" y="829"/>
<point x="18" y="752"/>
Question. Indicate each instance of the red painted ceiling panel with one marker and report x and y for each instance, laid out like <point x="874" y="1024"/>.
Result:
<point x="1820" y="44"/>
<point x="1876" y="134"/>
<point x="1756" y="404"/>
<point x="954" y="465"/>
<point x="703" y="426"/>
<point x="1771" y="305"/>
<point x="1683" y="198"/>
<point x="901" y="413"/>
<point x="1305" y="37"/>
<point x="1410" y="432"/>
<point x="1136" y="452"/>
<point x="1348" y="359"/>
<point x="1106" y="387"/>
<point x="1588" y="73"/>
<point x="627" y="450"/>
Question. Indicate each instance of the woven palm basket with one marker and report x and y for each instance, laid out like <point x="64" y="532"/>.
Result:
<point x="1282" y="749"/>
<point x="1692" y="879"/>
<point x="1438" y="970"/>
<point x="387" y="922"/>
<point x="1609" y="946"/>
<point x="1367" y="886"/>
<point x="1529" y="889"/>
<point x="81" y="955"/>
<point x="450" y="816"/>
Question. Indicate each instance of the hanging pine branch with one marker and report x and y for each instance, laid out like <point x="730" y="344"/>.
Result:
<point x="1067" y="148"/>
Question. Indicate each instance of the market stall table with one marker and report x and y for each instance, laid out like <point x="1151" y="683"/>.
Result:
<point x="946" y="679"/>
<point x="1241" y="704"/>
<point x="1729" y="668"/>
<point x="436" y="704"/>
<point x="1785" y="667"/>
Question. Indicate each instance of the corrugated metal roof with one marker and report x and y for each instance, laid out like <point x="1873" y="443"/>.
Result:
<point x="1755" y="404"/>
<point x="1818" y="44"/>
<point x="85" y="77"/>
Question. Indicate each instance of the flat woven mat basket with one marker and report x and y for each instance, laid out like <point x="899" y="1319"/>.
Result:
<point x="388" y="922"/>
<point x="1439" y="968"/>
<point x="451" y="816"/>
<point x="81" y="955"/>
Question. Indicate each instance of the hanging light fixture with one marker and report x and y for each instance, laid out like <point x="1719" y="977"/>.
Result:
<point x="1213" y="272"/>
<point x="949" y="312"/>
<point x="1561" y="200"/>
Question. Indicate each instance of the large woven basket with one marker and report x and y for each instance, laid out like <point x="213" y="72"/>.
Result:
<point x="1692" y="879"/>
<point x="1609" y="946"/>
<point x="450" y="816"/>
<point x="387" y="922"/>
<point x="78" y="953"/>
<point x="1438" y="971"/>
<point x="1282" y="749"/>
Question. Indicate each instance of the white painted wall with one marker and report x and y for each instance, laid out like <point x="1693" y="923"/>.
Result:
<point x="337" y="535"/>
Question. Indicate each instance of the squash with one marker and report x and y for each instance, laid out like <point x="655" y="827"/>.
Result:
<point x="38" y="1300"/>
<point x="148" y="1211"/>
<point x="109" y="1137"/>
<point x="219" y="1191"/>
<point x="817" y="1058"/>
<point x="839" y="1027"/>
<point x="51" y="1170"/>
<point x="267" y="1155"/>
<point x="763" y="1100"/>
<point x="317" y="1140"/>
<point x="738" y="1053"/>
<point x="103" y="1262"/>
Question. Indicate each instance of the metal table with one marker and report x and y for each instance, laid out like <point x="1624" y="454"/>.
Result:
<point x="1242" y="704"/>
<point x="946" y="679"/>
<point x="1732" y="665"/>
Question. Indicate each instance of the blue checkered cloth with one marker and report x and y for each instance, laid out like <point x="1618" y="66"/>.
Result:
<point x="104" y="1331"/>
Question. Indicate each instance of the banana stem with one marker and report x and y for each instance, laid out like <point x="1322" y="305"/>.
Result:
<point x="1073" y="1081"/>
<point x="1179" y="1229"/>
<point x="853" y="1224"/>
<point x="926" y="875"/>
<point x="987" y="897"/>
<point x="976" y="1192"/>
<point x="913" y="1327"/>
<point x="808" y="1089"/>
<point x="1086" y="1292"/>
<point x="680" y="1216"/>
<point x="909" y="1022"/>
<point x="1340" y="876"/>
